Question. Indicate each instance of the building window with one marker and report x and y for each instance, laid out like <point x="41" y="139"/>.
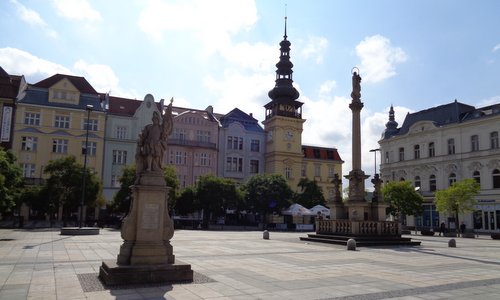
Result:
<point x="254" y="166"/>
<point x="28" y="170"/>
<point x="496" y="179"/>
<point x="180" y="134"/>
<point x="432" y="150"/>
<point x="115" y="181"/>
<point x="180" y="158"/>
<point x="303" y="169"/>
<point x="234" y="164"/>
<point x="91" y="149"/>
<point x="474" y="143"/>
<point x="61" y="121"/>
<point x="416" y="151"/>
<point x="32" y="119"/>
<point x="234" y="143"/>
<point x="331" y="171"/>
<point x="494" y="139"/>
<point x="60" y="146"/>
<point x="317" y="170"/>
<point x="255" y="146"/>
<point x="432" y="183"/>
<point x="204" y="159"/>
<point x="121" y="132"/>
<point x="119" y="157"/>
<point x="477" y="176"/>
<point x="29" y="143"/>
<point x="452" y="179"/>
<point x="203" y="136"/>
<point x="401" y="154"/>
<point x="451" y="146"/>
<point x="91" y="124"/>
<point x="386" y="157"/>
<point x="288" y="172"/>
<point x="417" y="182"/>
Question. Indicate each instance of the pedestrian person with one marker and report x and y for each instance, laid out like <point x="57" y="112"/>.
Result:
<point x="442" y="229"/>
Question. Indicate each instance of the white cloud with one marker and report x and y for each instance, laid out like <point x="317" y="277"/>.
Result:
<point x="211" y="21"/>
<point x="496" y="48"/>
<point x="33" y="18"/>
<point x="246" y="92"/>
<point x="258" y="57"/>
<point x="327" y="87"/>
<point x="489" y="101"/>
<point x="315" y="47"/>
<point x="79" y="10"/>
<point x="17" y="61"/>
<point x="378" y="58"/>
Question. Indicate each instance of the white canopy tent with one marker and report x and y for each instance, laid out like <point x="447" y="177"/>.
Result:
<point x="297" y="210"/>
<point x="325" y="211"/>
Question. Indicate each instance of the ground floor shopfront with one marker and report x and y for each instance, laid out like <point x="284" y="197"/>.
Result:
<point x="485" y="218"/>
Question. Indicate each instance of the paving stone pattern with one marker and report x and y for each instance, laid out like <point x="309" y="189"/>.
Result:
<point x="42" y="264"/>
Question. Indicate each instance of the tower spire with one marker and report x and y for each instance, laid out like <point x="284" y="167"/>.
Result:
<point x="285" y="36"/>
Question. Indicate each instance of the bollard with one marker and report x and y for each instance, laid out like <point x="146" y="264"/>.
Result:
<point x="265" y="235"/>
<point x="351" y="244"/>
<point x="452" y="243"/>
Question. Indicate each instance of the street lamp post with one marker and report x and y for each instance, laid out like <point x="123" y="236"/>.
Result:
<point x="375" y="152"/>
<point x="89" y="109"/>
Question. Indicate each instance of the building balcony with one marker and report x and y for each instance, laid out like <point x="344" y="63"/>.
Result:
<point x="190" y="143"/>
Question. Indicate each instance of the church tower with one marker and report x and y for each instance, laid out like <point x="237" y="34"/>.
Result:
<point x="283" y="123"/>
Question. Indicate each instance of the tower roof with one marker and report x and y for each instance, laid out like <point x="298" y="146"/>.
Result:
<point x="283" y="91"/>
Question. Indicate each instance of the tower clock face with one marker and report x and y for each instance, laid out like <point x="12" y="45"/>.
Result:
<point x="289" y="135"/>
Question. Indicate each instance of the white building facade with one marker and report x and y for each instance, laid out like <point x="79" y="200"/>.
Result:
<point x="438" y="146"/>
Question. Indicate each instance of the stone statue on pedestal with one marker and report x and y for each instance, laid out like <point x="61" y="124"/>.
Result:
<point x="146" y="254"/>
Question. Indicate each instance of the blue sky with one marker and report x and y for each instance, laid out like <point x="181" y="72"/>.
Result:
<point x="411" y="54"/>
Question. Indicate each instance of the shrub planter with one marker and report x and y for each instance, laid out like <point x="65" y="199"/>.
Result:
<point x="427" y="232"/>
<point x="495" y="235"/>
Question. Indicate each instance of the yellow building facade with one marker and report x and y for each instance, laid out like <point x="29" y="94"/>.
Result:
<point x="51" y="122"/>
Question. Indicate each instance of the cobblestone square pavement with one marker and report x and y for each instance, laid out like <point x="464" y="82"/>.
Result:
<point x="42" y="264"/>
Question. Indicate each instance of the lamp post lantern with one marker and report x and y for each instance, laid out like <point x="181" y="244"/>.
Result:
<point x="89" y="109"/>
<point x="375" y="152"/>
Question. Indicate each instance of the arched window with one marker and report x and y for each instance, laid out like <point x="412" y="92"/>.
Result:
<point x="432" y="183"/>
<point x="416" y="182"/>
<point x="477" y="176"/>
<point x="452" y="179"/>
<point x="496" y="179"/>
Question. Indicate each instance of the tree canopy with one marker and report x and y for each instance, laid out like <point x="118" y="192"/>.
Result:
<point x="11" y="181"/>
<point x="214" y="195"/>
<point x="311" y="194"/>
<point x="458" y="198"/>
<point x="64" y="185"/>
<point x="402" y="198"/>
<point x="267" y="193"/>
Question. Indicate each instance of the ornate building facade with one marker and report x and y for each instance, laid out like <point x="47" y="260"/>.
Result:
<point x="438" y="146"/>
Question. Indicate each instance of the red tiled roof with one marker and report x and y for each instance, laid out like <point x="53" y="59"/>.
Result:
<point x="124" y="106"/>
<point x="321" y="153"/>
<point x="79" y="82"/>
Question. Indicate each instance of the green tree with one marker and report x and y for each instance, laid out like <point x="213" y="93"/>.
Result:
<point x="311" y="194"/>
<point x="11" y="181"/>
<point x="173" y="182"/>
<point x="64" y="185"/>
<point x="121" y="200"/>
<point x="214" y="195"/>
<point x="402" y="199"/>
<point x="267" y="193"/>
<point x="37" y="198"/>
<point x="458" y="198"/>
<point x="187" y="201"/>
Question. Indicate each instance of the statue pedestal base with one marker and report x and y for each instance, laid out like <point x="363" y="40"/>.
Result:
<point x="113" y="274"/>
<point x="146" y="255"/>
